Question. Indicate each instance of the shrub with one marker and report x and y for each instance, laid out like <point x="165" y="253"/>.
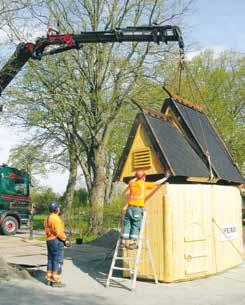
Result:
<point x="77" y="219"/>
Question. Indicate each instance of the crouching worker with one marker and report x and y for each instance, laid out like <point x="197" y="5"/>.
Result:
<point x="56" y="239"/>
<point x="135" y="208"/>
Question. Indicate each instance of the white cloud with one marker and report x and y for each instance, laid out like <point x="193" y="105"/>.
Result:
<point x="56" y="181"/>
<point x="217" y="50"/>
<point x="9" y="139"/>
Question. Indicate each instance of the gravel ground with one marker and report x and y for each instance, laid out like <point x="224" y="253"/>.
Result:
<point x="8" y="272"/>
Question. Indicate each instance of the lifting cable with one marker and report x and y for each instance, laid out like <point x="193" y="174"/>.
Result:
<point x="183" y="67"/>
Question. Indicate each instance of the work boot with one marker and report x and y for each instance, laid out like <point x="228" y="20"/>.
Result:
<point x="58" y="285"/>
<point x="122" y="245"/>
<point x="133" y="246"/>
<point x="48" y="283"/>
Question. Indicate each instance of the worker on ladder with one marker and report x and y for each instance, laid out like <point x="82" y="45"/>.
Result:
<point x="134" y="208"/>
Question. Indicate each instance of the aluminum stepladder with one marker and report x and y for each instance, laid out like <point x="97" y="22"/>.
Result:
<point x="136" y="259"/>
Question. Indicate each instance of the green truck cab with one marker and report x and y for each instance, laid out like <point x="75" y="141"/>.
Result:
<point x="15" y="202"/>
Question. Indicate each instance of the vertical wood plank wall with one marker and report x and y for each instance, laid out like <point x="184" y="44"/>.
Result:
<point x="184" y="229"/>
<point x="227" y="210"/>
<point x="154" y="232"/>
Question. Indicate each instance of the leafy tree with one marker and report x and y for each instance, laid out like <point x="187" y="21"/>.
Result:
<point x="49" y="122"/>
<point x="27" y="157"/>
<point x="80" y="198"/>
<point x="41" y="198"/>
<point x="81" y="95"/>
<point x="215" y="81"/>
<point x="8" y="11"/>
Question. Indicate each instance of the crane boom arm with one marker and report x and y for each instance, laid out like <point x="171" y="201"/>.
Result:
<point x="15" y="63"/>
<point x="65" y="42"/>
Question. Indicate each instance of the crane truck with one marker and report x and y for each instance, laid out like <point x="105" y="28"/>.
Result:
<point x="15" y="202"/>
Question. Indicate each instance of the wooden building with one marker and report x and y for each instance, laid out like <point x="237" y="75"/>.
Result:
<point x="194" y="220"/>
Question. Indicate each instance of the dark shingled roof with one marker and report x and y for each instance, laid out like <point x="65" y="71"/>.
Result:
<point x="208" y="140"/>
<point x="184" y="152"/>
<point x="181" y="158"/>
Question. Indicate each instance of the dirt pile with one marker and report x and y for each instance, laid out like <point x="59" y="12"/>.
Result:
<point x="107" y="240"/>
<point x="8" y="272"/>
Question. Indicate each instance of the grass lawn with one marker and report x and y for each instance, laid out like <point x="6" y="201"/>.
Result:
<point x="38" y="225"/>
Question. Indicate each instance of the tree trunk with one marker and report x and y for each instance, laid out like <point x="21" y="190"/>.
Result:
<point x="70" y="188"/>
<point x="110" y="174"/>
<point x="97" y="193"/>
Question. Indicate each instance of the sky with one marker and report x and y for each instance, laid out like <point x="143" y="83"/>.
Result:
<point x="217" y="24"/>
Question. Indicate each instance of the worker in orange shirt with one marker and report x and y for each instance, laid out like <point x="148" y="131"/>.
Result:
<point x="56" y="240"/>
<point x="135" y="207"/>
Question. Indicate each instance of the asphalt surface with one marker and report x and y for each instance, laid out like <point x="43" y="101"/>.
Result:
<point x="85" y="271"/>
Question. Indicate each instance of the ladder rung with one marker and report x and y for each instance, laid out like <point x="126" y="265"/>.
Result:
<point x="126" y="258"/>
<point x="115" y="278"/>
<point x="125" y="269"/>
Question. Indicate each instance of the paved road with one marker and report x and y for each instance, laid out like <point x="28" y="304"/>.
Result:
<point x="85" y="272"/>
<point x="82" y="289"/>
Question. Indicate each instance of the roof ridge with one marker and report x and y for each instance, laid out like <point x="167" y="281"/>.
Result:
<point x="182" y="100"/>
<point x="155" y="114"/>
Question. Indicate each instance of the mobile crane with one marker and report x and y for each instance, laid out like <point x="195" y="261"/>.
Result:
<point x="14" y="184"/>
<point x="65" y="42"/>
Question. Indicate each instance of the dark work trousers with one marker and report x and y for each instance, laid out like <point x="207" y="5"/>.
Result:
<point x="132" y="222"/>
<point x="55" y="259"/>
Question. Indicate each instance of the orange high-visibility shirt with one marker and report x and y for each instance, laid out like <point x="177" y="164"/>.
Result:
<point x="54" y="227"/>
<point x="137" y="191"/>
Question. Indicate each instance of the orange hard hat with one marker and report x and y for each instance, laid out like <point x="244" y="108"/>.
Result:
<point x="140" y="174"/>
